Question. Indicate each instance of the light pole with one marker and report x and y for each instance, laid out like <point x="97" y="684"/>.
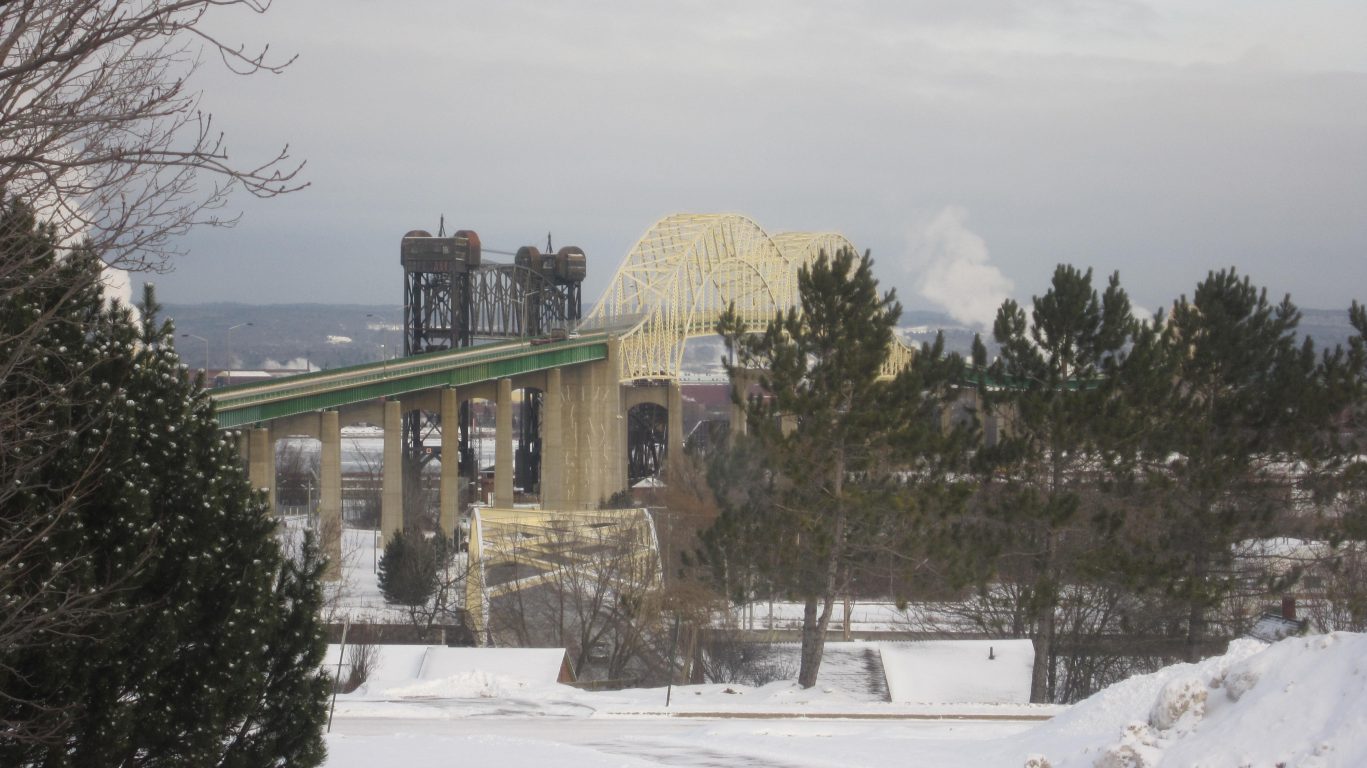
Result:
<point x="384" y="328"/>
<point x="230" y="349"/>
<point x="206" y="349"/>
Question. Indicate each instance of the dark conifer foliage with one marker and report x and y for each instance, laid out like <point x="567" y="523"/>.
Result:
<point x="193" y="640"/>
<point x="414" y="572"/>
<point x="1052" y="385"/>
<point x="813" y="490"/>
<point x="1229" y="415"/>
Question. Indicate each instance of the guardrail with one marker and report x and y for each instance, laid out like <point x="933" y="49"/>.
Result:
<point x="243" y="404"/>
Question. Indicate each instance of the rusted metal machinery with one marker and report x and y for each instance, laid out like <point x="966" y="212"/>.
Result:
<point x="437" y="275"/>
<point x="452" y="298"/>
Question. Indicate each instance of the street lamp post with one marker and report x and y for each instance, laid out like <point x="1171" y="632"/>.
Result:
<point x="206" y="349"/>
<point x="384" y="324"/>
<point x="230" y="349"/>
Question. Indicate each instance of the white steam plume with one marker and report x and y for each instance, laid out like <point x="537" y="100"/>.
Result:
<point x="117" y="288"/>
<point x="297" y="364"/>
<point x="951" y="267"/>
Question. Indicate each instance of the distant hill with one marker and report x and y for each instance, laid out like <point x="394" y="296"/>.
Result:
<point x="287" y="335"/>
<point x="335" y="335"/>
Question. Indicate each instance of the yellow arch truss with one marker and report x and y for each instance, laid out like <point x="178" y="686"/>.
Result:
<point x="684" y="272"/>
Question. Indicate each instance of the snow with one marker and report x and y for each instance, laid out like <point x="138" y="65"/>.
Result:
<point x="1299" y="702"/>
<point x="419" y="670"/>
<point x="958" y="671"/>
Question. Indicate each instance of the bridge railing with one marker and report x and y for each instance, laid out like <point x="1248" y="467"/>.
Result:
<point x="250" y="403"/>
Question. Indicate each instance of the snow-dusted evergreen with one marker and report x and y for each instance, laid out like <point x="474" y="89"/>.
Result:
<point x="182" y="634"/>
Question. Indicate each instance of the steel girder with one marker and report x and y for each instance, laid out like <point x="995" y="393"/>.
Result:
<point x="512" y="301"/>
<point x="687" y="269"/>
<point x="517" y="549"/>
<point x="246" y="404"/>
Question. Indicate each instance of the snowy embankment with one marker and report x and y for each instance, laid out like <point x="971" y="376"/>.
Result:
<point x="1300" y="702"/>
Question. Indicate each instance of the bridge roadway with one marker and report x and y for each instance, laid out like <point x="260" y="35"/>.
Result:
<point x="243" y="404"/>
<point x="583" y="424"/>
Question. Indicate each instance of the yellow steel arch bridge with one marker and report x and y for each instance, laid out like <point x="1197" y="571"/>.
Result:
<point x="683" y="273"/>
<point x="673" y="285"/>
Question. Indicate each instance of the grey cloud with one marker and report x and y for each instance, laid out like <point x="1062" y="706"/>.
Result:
<point x="1072" y="131"/>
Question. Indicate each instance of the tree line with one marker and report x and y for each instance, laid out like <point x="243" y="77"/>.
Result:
<point x="1100" y="486"/>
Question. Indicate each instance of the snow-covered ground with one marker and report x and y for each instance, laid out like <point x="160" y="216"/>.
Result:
<point x="1299" y="702"/>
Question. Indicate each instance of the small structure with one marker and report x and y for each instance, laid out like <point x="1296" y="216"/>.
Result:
<point x="1271" y="626"/>
<point x="517" y="549"/>
<point x="404" y="667"/>
<point x="959" y="671"/>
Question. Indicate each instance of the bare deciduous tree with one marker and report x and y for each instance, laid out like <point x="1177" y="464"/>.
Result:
<point x="101" y="128"/>
<point x="591" y="586"/>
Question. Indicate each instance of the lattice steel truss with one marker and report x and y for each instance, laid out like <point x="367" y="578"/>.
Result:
<point x="510" y="301"/>
<point x="519" y="549"/>
<point x="684" y="272"/>
<point x="452" y="298"/>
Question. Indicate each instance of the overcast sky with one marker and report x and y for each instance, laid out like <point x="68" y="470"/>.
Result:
<point x="971" y="145"/>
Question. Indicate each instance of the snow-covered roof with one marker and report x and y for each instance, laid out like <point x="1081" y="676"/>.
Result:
<point x="955" y="671"/>
<point x="441" y="670"/>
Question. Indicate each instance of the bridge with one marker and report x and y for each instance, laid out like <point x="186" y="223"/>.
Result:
<point x="593" y="401"/>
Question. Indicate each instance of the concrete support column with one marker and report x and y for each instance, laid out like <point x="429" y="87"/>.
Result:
<point x="615" y="417"/>
<point x="578" y="455"/>
<point x="612" y="430"/>
<point x="391" y="488"/>
<point x="552" y="444"/>
<point x="330" y="492"/>
<point x="261" y="463"/>
<point x="674" y="439"/>
<point x="503" y="446"/>
<point x="620" y="479"/>
<point x="449" y="492"/>
<point x="244" y="447"/>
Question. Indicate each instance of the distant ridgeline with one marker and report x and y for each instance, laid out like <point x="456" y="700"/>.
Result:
<point x="337" y="335"/>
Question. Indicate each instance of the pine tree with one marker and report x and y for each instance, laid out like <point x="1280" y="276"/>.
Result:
<point x="1228" y="413"/>
<point x="416" y="571"/>
<point x="1053" y="377"/>
<point x="816" y="490"/>
<point x="202" y="644"/>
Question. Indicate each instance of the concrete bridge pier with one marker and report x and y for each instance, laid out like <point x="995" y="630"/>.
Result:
<point x="330" y="492"/>
<point x="391" y="480"/>
<point x="553" y="443"/>
<point x="324" y="426"/>
<point x="584" y="436"/>
<point x="261" y="463"/>
<point x="503" y="445"/>
<point x="449" y="490"/>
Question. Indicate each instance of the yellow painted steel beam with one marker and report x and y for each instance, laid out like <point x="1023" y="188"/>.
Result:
<point x="686" y="270"/>
<point x="553" y="540"/>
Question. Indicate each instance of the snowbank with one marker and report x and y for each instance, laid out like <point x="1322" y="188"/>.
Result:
<point x="1299" y="702"/>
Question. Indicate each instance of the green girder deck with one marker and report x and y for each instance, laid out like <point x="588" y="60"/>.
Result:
<point x="245" y="404"/>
